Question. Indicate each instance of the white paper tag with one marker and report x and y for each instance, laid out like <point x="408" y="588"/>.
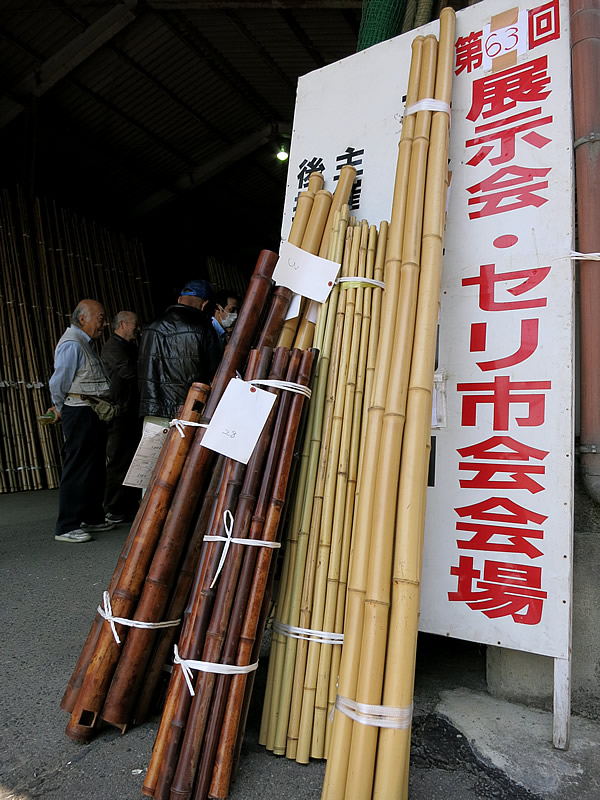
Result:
<point x="145" y="458"/>
<point x="305" y="274"/>
<point x="294" y="309"/>
<point x="312" y="312"/>
<point x="238" y="420"/>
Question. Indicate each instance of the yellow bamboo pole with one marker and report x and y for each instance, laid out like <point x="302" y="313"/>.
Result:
<point x="330" y="657"/>
<point x="327" y="496"/>
<point x="337" y="764"/>
<point x="340" y="198"/>
<point x="394" y="744"/>
<point x="284" y="651"/>
<point x="301" y="647"/>
<point x="377" y="598"/>
<point x="297" y="231"/>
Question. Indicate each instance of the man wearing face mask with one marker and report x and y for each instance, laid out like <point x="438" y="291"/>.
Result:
<point x="177" y="349"/>
<point x="227" y="306"/>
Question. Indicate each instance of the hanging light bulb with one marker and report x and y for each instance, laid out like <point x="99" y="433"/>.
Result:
<point x="282" y="153"/>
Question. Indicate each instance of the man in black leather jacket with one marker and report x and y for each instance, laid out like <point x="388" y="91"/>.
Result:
<point x="178" y="348"/>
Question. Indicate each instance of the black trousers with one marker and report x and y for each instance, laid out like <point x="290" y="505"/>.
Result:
<point x="84" y="469"/>
<point x="124" y="434"/>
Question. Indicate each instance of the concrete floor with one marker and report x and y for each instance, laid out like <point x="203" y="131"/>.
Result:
<point x="466" y="745"/>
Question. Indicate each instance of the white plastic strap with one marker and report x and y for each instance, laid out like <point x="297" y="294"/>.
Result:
<point x="361" y="282"/>
<point x="322" y="637"/>
<point x="229" y="540"/>
<point x="287" y="386"/>
<point x="188" y="664"/>
<point x="427" y="104"/>
<point x="378" y="716"/>
<point x="182" y="424"/>
<point x="106" y="612"/>
<point x="584" y="256"/>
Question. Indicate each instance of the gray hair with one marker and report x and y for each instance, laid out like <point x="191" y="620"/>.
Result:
<point x="81" y="310"/>
<point x="122" y="316"/>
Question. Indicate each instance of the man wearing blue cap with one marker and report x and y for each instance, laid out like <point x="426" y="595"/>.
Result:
<point x="178" y="348"/>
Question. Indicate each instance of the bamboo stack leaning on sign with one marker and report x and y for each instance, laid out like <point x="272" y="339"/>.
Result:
<point x="283" y="650"/>
<point x="372" y="771"/>
<point x="391" y="777"/>
<point x="339" y="750"/>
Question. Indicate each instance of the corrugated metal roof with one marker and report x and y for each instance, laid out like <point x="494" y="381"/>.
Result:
<point x="160" y="103"/>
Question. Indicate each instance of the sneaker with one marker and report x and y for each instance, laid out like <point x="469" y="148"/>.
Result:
<point x="116" y="519"/>
<point x="97" y="527"/>
<point x="74" y="536"/>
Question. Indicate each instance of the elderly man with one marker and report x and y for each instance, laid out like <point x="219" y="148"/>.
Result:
<point x="78" y="372"/>
<point x="119" y="356"/>
<point x="178" y="348"/>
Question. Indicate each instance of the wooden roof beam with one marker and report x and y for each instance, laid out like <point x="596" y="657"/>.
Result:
<point x="58" y="66"/>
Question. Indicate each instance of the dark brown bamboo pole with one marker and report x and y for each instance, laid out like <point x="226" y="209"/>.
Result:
<point x="261" y="564"/>
<point x="280" y="302"/>
<point x="230" y="593"/>
<point x="99" y="673"/>
<point x="162" y="654"/>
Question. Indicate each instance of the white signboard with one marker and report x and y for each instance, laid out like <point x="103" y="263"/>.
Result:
<point x="498" y="556"/>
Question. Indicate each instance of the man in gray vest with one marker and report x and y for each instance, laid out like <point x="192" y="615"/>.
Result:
<point x="78" y="372"/>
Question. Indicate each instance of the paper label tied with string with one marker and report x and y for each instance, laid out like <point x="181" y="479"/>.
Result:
<point x="304" y="273"/>
<point x="238" y="420"/>
<point x="146" y="455"/>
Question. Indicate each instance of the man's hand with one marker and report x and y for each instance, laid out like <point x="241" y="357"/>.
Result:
<point x="56" y="412"/>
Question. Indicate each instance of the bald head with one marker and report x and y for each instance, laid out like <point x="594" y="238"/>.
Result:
<point x="89" y="316"/>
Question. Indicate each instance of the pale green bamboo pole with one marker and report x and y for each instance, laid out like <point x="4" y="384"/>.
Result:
<point x="337" y="763"/>
<point x="329" y="546"/>
<point x="394" y="744"/>
<point x="286" y="652"/>
<point x="306" y="599"/>
<point x="282" y="610"/>
<point x="328" y="670"/>
<point x="336" y="489"/>
<point x="377" y="598"/>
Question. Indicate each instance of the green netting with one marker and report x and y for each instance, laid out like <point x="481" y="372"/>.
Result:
<point x="381" y="20"/>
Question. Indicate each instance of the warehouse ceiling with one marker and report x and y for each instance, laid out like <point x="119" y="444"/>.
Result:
<point x="163" y="117"/>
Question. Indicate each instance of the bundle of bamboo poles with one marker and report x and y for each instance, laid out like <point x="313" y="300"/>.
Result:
<point x="197" y="742"/>
<point x="310" y="611"/>
<point x="370" y="743"/>
<point x="116" y="681"/>
<point x="223" y="275"/>
<point x="50" y="260"/>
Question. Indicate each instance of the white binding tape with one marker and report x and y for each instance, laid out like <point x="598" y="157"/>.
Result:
<point x="575" y="256"/>
<point x="287" y="386"/>
<point x="361" y="282"/>
<point x="106" y="612"/>
<point x="229" y="540"/>
<point x="293" y="632"/>
<point x="378" y="716"/>
<point x="188" y="664"/>
<point x="427" y="104"/>
<point x="182" y="424"/>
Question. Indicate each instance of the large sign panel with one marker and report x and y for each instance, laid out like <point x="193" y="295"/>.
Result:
<point x="497" y="558"/>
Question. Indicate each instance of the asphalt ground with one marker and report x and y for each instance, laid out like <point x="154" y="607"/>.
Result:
<point x="50" y="591"/>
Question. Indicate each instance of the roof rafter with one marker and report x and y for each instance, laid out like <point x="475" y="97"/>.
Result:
<point x="53" y="69"/>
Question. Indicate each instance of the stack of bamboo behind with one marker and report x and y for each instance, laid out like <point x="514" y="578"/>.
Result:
<point x="223" y="275"/>
<point x="50" y="259"/>
<point x="370" y="744"/>
<point x="303" y="669"/>
<point x="116" y="682"/>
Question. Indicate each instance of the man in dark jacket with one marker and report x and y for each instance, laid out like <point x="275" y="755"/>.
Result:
<point x="119" y="356"/>
<point x="178" y="348"/>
